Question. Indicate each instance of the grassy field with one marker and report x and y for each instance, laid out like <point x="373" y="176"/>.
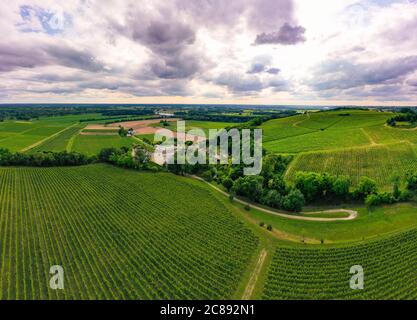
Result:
<point x="368" y="225"/>
<point x="118" y="235"/>
<point x="59" y="142"/>
<point x="321" y="130"/>
<point x="388" y="265"/>
<point x="92" y="144"/>
<point x="21" y="135"/>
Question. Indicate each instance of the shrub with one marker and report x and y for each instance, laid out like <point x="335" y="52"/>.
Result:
<point x="365" y="188"/>
<point x="411" y="180"/>
<point x="228" y="184"/>
<point x="294" y="201"/>
<point x="269" y="227"/>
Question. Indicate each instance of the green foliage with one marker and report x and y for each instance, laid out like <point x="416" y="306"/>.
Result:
<point x="228" y="184"/>
<point x="411" y="180"/>
<point x="365" y="188"/>
<point x="315" y="186"/>
<point x="207" y="175"/>
<point x="273" y="199"/>
<point x="341" y="186"/>
<point x="122" y="132"/>
<point x="294" y="201"/>
<point x="43" y="159"/>
<point x="373" y="200"/>
<point x="249" y="186"/>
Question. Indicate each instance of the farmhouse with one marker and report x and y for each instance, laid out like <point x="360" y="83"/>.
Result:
<point x="130" y="132"/>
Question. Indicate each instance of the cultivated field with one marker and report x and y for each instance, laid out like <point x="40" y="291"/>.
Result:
<point x="354" y="143"/>
<point x="118" y="234"/>
<point x="388" y="265"/>
<point x="60" y="142"/>
<point x="380" y="163"/>
<point x="92" y="144"/>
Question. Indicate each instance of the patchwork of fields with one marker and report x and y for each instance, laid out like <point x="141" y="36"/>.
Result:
<point x="354" y="143"/>
<point x="118" y="234"/>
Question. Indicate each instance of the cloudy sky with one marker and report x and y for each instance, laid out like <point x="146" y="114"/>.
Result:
<point x="209" y="51"/>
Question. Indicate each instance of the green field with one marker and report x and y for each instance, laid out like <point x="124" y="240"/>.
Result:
<point x="354" y="143"/>
<point x="92" y="144"/>
<point x="22" y="135"/>
<point x="118" y="235"/>
<point x="321" y="130"/>
<point x="380" y="163"/>
<point x="59" y="142"/>
<point x="388" y="265"/>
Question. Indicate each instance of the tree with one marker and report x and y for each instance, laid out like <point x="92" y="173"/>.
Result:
<point x="294" y="201"/>
<point x="277" y="183"/>
<point x="228" y="184"/>
<point x="365" y="188"/>
<point x="122" y="132"/>
<point x="272" y="199"/>
<point x="396" y="186"/>
<point x="249" y="186"/>
<point x="207" y="175"/>
<point x="105" y="154"/>
<point x="411" y="180"/>
<point x="340" y="187"/>
<point x="141" y="155"/>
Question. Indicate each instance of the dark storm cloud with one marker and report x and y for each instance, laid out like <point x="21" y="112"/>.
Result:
<point x="287" y="35"/>
<point x="344" y="75"/>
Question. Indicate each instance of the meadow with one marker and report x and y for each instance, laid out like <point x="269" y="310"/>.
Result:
<point x="118" y="234"/>
<point x="92" y="144"/>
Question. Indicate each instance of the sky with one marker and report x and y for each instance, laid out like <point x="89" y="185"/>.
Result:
<point x="321" y="52"/>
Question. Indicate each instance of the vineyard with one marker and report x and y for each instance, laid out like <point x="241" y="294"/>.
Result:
<point x="388" y="265"/>
<point x="118" y="234"/>
<point x="59" y="142"/>
<point x="316" y="131"/>
<point x="380" y="163"/>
